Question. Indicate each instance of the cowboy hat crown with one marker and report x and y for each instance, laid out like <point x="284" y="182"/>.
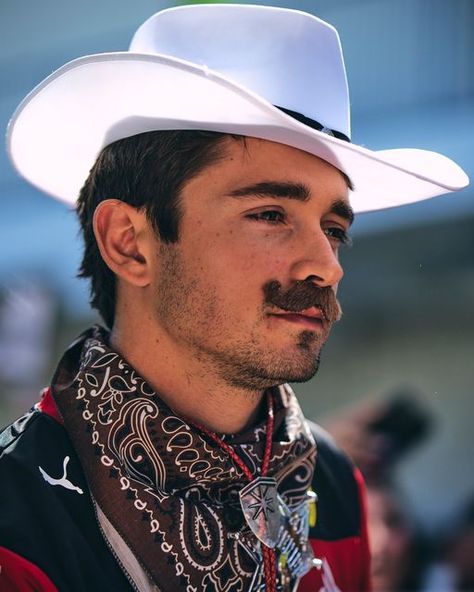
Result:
<point x="300" y="68"/>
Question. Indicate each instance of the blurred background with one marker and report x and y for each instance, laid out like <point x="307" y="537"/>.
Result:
<point x="408" y="294"/>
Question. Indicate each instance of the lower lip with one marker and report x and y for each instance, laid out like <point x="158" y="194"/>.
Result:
<point x="310" y="322"/>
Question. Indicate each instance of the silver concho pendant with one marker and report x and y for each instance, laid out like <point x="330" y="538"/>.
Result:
<point x="260" y="506"/>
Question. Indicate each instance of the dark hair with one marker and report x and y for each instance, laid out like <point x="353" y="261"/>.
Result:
<point x="148" y="172"/>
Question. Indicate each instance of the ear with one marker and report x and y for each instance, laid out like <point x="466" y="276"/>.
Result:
<point x="121" y="233"/>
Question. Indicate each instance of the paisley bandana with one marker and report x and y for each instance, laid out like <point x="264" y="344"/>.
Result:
<point x="169" y="492"/>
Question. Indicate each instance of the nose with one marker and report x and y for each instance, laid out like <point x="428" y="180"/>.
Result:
<point x="318" y="260"/>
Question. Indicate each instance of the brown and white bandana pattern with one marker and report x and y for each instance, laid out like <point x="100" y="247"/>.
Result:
<point x="171" y="493"/>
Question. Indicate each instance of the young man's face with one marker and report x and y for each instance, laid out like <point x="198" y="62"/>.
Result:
<point x="260" y="222"/>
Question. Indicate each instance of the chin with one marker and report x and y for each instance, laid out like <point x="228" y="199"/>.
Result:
<point x="301" y="367"/>
<point x="305" y="362"/>
<point x="277" y="370"/>
<point x="303" y="374"/>
<point x="260" y="368"/>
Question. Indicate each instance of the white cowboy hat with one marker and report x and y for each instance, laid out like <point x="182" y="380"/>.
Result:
<point x="228" y="68"/>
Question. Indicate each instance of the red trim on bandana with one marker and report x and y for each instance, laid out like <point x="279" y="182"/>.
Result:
<point x="17" y="574"/>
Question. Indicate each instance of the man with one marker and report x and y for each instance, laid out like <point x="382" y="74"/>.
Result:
<point x="168" y="452"/>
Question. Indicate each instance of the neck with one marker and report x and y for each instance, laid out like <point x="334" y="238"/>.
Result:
<point x="185" y="383"/>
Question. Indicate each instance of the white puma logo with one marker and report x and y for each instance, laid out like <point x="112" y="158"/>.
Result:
<point x="62" y="481"/>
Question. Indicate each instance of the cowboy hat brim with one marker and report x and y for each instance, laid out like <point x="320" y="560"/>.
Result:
<point x="95" y="100"/>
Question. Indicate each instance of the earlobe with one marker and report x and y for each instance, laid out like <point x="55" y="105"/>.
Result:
<point x="119" y="230"/>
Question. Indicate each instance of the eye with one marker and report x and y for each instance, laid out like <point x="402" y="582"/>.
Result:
<point x="339" y="236"/>
<point x="269" y="216"/>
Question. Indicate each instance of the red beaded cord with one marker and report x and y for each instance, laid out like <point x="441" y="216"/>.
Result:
<point x="268" y="554"/>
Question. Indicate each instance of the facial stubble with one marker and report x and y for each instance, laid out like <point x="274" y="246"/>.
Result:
<point x="189" y="310"/>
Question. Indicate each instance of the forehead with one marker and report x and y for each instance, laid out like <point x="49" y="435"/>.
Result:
<point x="245" y="163"/>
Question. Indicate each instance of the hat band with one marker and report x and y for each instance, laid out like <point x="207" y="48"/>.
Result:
<point x="314" y="124"/>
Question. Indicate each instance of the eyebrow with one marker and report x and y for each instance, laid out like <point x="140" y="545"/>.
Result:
<point x="343" y="210"/>
<point x="297" y="191"/>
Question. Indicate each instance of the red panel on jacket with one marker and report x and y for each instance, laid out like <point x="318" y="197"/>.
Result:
<point x="341" y="567"/>
<point x="346" y="562"/>
<point x="19" y="575"/>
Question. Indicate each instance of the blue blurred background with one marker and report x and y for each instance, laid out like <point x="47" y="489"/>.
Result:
<point x="408" y="294"/>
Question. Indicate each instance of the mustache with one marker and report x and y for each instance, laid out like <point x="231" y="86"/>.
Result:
<point x="302" y="295"/>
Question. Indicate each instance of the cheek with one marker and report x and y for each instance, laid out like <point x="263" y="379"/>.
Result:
<point x="233" y="266"/>
<point x="261" y="267"/>
<point x="229" y="255"/>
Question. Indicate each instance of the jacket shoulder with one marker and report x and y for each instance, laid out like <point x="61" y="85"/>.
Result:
<point x="335" y="483"/>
